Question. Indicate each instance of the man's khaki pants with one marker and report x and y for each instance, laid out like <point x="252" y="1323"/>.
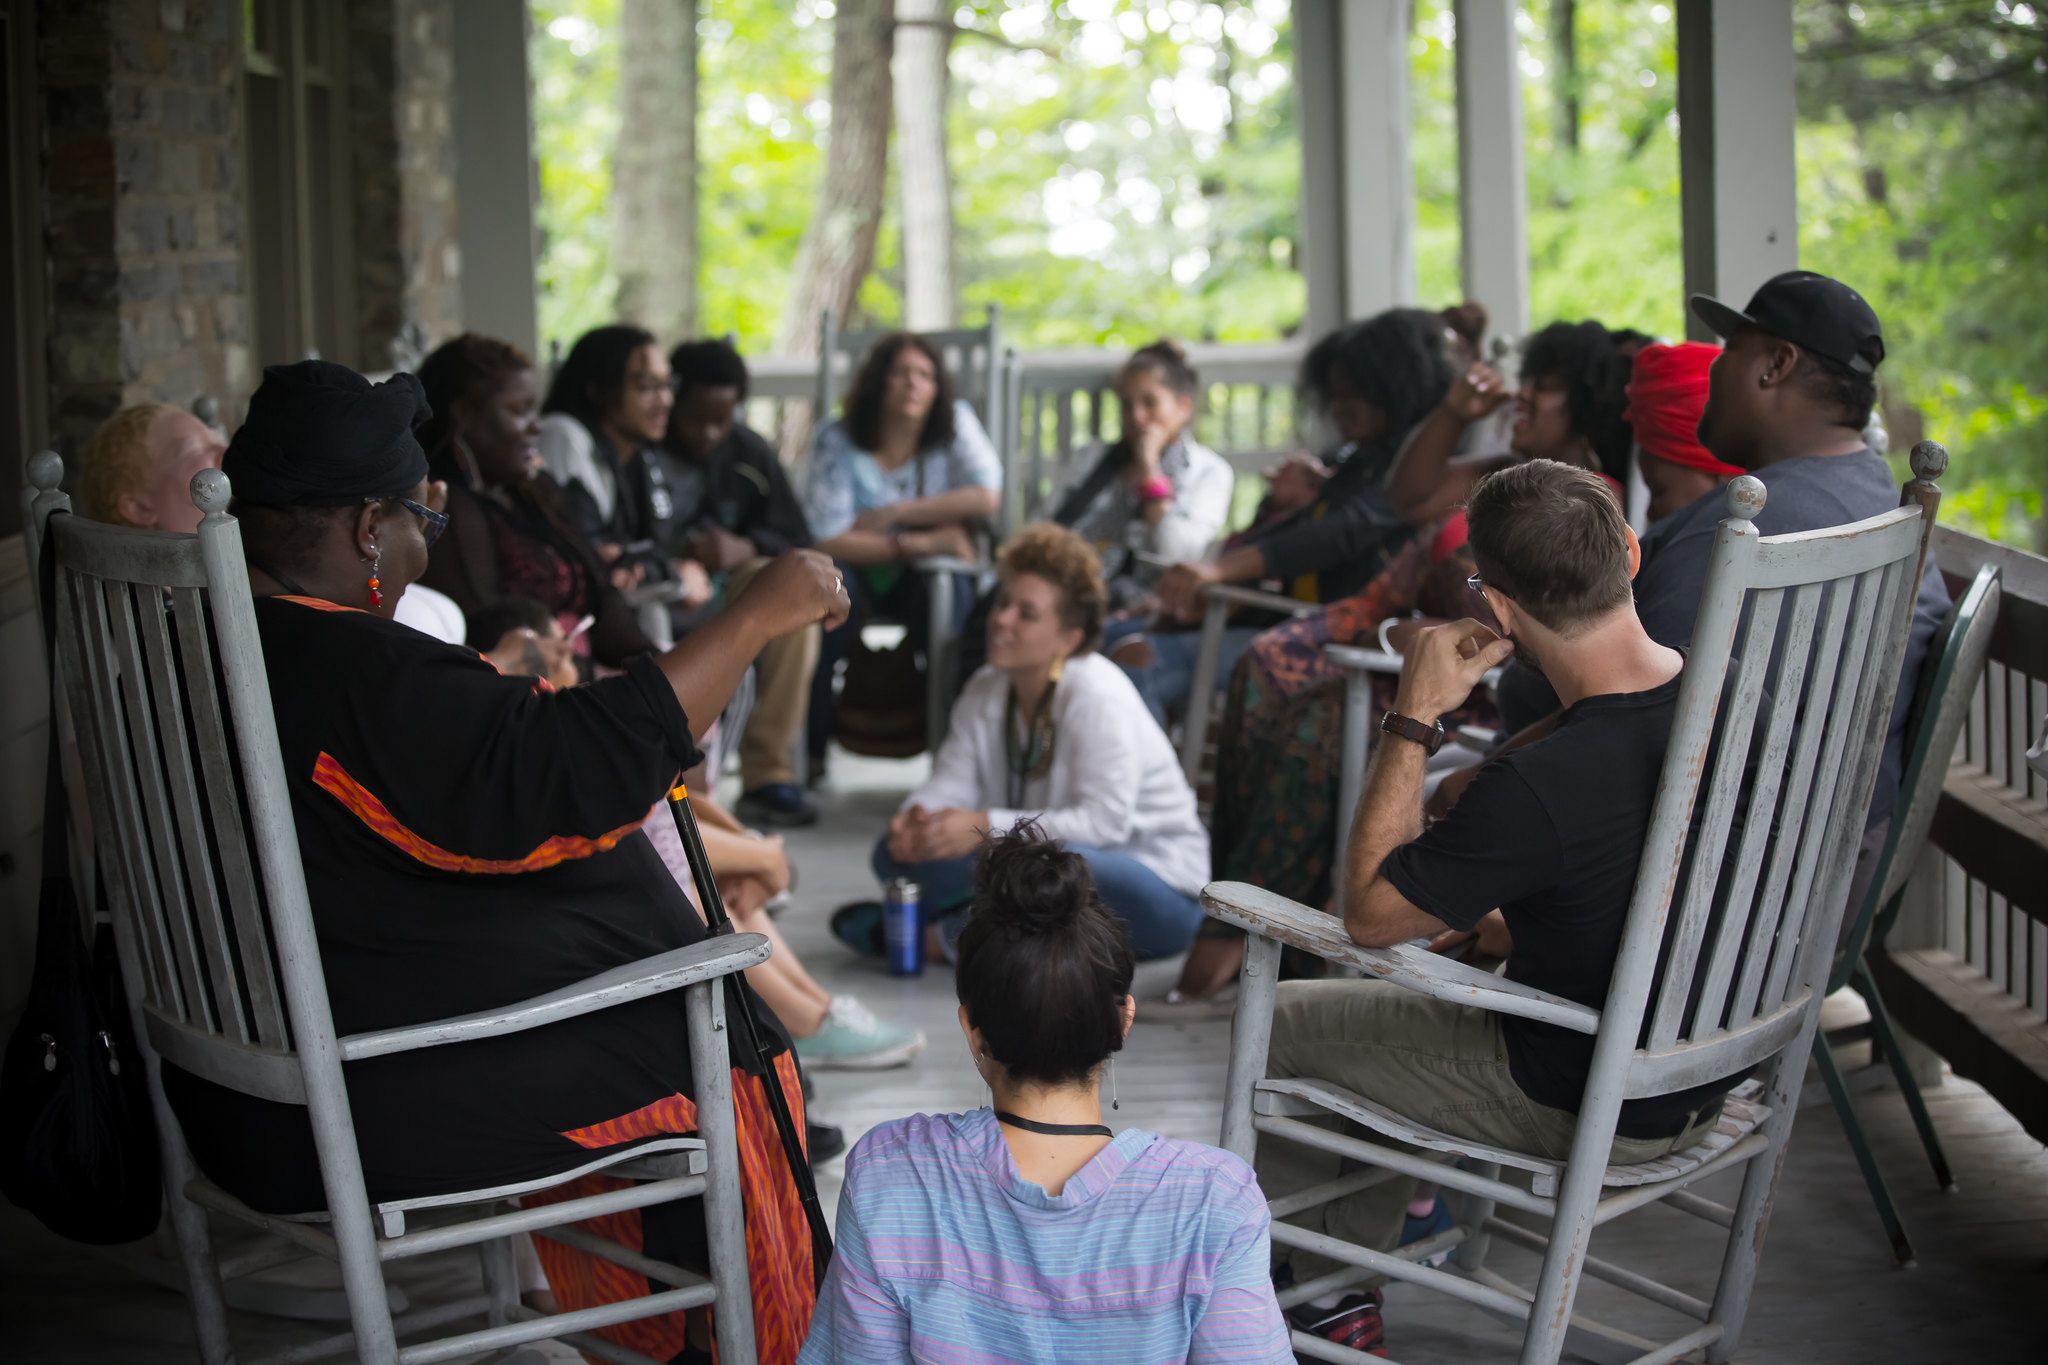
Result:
<point x="1442" y="1064"/>
<point x="782" y="696"/>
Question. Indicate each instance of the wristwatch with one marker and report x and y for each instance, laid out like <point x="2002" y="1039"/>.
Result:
<point x="1430" y="736"/>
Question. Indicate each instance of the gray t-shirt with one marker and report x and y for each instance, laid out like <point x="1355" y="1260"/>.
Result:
<point x="1806" y="494"/>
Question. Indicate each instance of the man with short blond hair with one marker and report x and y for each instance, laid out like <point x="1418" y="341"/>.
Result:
<point x="137" y="469"/>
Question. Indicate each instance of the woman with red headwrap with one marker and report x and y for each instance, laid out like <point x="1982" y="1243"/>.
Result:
<point x="1666" y="391"/>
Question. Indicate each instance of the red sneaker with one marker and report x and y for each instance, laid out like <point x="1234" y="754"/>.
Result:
<point x="1355" y="1322"/>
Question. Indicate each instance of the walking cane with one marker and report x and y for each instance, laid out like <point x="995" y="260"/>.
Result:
<point x="753" y="1043"/>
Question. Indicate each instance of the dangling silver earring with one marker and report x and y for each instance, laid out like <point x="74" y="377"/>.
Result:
<point x="1112" y="1081"/>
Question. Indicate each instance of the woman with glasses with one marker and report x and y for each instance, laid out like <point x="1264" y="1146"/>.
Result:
<point x="471" y="840"/>
<point x="605" y="415"/>
<point x="511" y="533"/>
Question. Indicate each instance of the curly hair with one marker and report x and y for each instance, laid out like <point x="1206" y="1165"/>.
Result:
<point x="470" y="366"/>
<point x="1399" y="361"/>
<point x="1071" y="565"/>
<point x="1593" y="364"/>
<point x="863" y="411"/>
<point x="117" y="460"/>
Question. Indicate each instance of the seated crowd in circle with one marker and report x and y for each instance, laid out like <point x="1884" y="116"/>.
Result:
<point x="1057" y="839"/>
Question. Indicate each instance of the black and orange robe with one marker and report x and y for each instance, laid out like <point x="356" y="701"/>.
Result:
<point x="471" y="840"/>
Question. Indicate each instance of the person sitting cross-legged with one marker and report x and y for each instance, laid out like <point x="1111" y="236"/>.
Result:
<point x="1538" y="859"/>
<point x="1049" y="728"/>
<point x="1034" y="1232"/>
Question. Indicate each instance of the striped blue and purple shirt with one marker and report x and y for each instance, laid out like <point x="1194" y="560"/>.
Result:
<point x="1156" y="1250"/>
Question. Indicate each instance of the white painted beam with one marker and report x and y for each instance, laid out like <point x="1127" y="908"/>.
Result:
<point x="1493" y="197"/>
<point x="1358" y="187"/>
<point x="1379" y="181"/>
<point x="494" y="174"/>
<point x="1320" y="237"/>
<point x="1738" y="177"/>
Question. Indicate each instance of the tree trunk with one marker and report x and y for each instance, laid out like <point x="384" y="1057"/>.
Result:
<point x="924" y="35"/>
<point x="839" y="245"/>
<point x="654" y="167"/>
<point x="1564" y="71"/>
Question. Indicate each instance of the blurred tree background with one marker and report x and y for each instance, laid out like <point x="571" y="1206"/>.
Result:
<point x="1126" y="168"/>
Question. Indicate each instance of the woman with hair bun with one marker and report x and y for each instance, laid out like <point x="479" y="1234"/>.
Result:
<point x="1049" y="729"/>
<point x="1029" y="1231"/>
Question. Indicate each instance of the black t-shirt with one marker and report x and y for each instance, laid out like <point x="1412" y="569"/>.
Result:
<point x="1551" y="834"/>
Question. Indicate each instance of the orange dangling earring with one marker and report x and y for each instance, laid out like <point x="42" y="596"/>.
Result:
<point x="376" y="559"/>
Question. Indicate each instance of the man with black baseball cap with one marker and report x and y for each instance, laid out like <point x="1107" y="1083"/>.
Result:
<point x="1788" y="400"/>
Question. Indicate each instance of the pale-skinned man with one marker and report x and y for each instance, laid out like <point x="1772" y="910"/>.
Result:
<point x="1539" y="857"/>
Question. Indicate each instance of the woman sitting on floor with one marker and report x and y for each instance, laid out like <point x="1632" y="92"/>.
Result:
<point x="1051" y="730"/>
<point x="471" y="840"/>
<point x="1278" y="752"/>
<point x="905" y="473"/>
<point x="1032" y="1232"/>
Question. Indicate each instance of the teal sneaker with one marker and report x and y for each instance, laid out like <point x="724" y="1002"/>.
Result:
<point x="853" y="1039"/>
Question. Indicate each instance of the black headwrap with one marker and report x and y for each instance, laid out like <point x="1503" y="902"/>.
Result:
<point x="320" y="435"/>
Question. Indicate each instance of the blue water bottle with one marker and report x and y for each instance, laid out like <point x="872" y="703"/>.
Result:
<point x="903" y="927"/>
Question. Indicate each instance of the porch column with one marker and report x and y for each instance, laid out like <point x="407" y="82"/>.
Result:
<point x="494" y="174"/>
<point x="1357" y="229"/>
<point x="1737" y="176"/>
<point x="1492" y="192"/>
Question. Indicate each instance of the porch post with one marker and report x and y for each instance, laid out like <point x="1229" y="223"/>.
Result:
<point x="494" y="174"/>
<point x="1737" y="176"/>
<point x="1358" y="192"/>
<point x="1492" y="192"/>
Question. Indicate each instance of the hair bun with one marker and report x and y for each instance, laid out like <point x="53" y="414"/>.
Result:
<point x="1040" y="887"/>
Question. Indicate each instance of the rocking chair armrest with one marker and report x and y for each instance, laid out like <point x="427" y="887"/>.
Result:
<point x="1359" y="659"/>
<point x="1262" y="913"/>
<point x="664" y="592"/>
<point x="1237" y="596"/>
<point x="706" y="961"/>
<point x="930" y="564"/>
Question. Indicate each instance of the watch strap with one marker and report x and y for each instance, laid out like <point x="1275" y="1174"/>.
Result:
<point x="1430" y="737"/>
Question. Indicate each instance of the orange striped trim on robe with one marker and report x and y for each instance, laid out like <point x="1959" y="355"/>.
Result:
<point x="316" y="603"/>
<point x="329" y="776"/>
<point x="778" y="1235"/>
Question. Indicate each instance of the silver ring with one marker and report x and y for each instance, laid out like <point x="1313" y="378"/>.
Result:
<point x="839" y="582"/>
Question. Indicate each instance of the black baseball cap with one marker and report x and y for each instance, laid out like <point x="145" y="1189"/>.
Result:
<point x="1821" y="314"/>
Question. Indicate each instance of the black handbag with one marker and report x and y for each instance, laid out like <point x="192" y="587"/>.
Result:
<point x="78" y="1142"/>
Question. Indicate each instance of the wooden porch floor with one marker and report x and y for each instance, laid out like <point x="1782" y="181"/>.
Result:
<point x="1829" y="1291"/>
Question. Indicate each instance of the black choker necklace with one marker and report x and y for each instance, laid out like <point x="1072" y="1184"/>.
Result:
<point x="1054" y="1129"/>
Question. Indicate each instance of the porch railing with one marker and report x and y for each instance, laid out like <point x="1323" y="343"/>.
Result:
<point x="1061" y="403"/>
<point x="1968" y="974"/>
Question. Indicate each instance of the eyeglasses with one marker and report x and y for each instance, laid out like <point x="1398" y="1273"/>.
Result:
<point x="1475" y="582"/>
<point x="432" y="523"/>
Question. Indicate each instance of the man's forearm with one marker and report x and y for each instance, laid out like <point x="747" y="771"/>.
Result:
<point x="1389" y="814"/>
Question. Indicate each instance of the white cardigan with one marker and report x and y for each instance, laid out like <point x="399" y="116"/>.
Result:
<point x="1115" y="781"/>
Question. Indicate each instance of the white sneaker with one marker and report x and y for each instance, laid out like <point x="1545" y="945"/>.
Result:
<point x="853" y="1039"/>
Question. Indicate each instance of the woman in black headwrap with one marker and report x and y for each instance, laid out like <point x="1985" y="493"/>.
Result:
<point x="471" y="840"/>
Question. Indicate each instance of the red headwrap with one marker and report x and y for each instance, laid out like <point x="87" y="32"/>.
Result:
<point x="1666" y="392"/>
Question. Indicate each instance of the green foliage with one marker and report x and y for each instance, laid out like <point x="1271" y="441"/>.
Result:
<point x="1130" y="168"/>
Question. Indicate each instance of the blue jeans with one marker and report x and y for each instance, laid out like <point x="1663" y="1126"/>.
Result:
<point x="1161" y="920"/>
<point x="1166" y="681"/>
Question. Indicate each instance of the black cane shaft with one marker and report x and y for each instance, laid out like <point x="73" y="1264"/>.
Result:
<point x="753" y="1042"/>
